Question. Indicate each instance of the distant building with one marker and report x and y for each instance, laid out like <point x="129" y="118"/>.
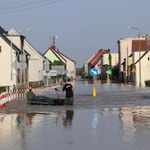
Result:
<point x="68" y="66"/>
<point x="86" y="68"/>
<point x="95" y="62"/>
<point x="134" y="60"/>
<point x="114" y="59"/>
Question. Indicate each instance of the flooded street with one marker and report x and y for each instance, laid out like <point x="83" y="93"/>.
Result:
<point x="118" y="118"/>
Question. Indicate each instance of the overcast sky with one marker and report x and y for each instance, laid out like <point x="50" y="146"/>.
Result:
<point x="82" y="26"/>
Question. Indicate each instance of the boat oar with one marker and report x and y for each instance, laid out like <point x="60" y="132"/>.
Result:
<point x="57" y="92"/>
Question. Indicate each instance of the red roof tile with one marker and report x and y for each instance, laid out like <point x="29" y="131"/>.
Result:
<point x="96" y="58"/>
<point x="141" y="45"/>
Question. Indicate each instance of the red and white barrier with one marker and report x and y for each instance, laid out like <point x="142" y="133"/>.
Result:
<point x="47" y="87"/>
<point x="19" y="94"/>
<point x="7" y="97"/>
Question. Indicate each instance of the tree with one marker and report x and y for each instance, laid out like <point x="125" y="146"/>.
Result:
<point x="57" y="62"/>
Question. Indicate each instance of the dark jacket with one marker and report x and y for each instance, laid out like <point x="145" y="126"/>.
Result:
<point x="68" y="89"/>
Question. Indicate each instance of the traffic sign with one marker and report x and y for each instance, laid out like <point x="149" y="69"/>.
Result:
<point x="94" y="72"/>
<point x="109" y="71"/>
<point x="133" y="70"/>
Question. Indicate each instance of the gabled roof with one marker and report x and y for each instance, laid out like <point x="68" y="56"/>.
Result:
<point x="2" y="31"/>
<point x="55" y="51"/>
<point x="37" y="52"/>
<point x="64" y="56"/>
<point x="58" y="54"/>
<point x="12" y="30"/>
<point x="141" y="45"/>
<point x="96" y="58"/>
<point x="52" y="49"/>
<point x="3" y="35"/>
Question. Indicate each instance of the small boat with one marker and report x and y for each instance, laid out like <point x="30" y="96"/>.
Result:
<point x="45" y="100"/>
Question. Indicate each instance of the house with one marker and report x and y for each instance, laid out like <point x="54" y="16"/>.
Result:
<point x="86" y="68"/>
<point x="14" y="72"/>
<point x="36" y="62"/>
<point x="96" y="60"/>
<point x="134" y="60"/>
<point x="141" y="61"/>
<point x="66" y="68"/>
<point x="114" y="59"/>
<point x="124" y="52"/>
<point x="109" y="63"/>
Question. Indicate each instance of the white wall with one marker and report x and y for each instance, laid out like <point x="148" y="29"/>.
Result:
<point x="35" y="70"/>
<point x="145" y="68"/>
<point x="35" y="62"/>
<point x="125" y="50"/>
<point x="70" y="68"/>
<point x="5" y="61"/>
<point x="114" y="59"/>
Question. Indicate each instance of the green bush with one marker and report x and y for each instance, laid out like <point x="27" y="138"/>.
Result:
<point x="2" y="89"/>
<point x="57" y="62"/>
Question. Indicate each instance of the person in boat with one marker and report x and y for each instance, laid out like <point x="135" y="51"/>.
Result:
<point x="68" y="89"/>
<point x="30" y="94"/>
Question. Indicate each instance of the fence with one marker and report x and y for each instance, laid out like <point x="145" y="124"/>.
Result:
<point x="47" y="87"/>
<point x="7" y="97"/>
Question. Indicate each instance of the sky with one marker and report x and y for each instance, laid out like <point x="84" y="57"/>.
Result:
<point x="82" y="27"/>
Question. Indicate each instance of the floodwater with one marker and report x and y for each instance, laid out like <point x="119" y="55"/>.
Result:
<point x="118" y="118"/>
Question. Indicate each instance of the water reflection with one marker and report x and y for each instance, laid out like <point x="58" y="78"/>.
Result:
<point x="67" y="119"/>
<point x="94" y="121"/>
<point x="126" y="128"/>
<point x="30" y="118"/>
<point x="27" y="118"/>
<point x="135" y="121"/>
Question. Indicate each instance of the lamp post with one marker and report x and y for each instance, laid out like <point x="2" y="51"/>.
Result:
<point x="139" y="35"/>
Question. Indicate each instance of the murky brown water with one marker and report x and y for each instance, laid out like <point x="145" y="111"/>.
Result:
<point x="118" y="118"/>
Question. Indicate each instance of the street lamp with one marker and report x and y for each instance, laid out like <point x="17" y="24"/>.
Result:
<point x="139" y="35"/>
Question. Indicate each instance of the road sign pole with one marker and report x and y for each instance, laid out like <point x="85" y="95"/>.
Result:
<point x="94" y="73"/>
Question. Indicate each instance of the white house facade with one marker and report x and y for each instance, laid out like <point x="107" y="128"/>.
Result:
<point x="7" y="57"/>
<point x="15" y="68"/>
<point x="134" y="60"/>
<point x="114" y="59"/>
<point x="35" y="64"/>
<point x="142" y="71"/>
<point x="69" y="66"/>
<point x="125" y="50"/>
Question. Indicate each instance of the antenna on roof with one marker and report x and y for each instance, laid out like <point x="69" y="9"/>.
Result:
<point x="53" y="38"/>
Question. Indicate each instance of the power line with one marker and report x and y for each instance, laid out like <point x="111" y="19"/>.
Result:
<point x="10" y="3"/>
<point x="6" y="8"/>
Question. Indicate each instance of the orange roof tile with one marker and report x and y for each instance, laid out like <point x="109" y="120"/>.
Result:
<point x="96" y="58"/>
